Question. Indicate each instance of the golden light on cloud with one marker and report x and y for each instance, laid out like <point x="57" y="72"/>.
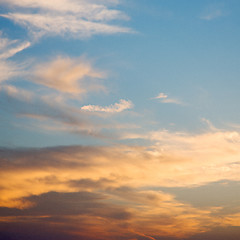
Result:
<point x="122" y="183"/>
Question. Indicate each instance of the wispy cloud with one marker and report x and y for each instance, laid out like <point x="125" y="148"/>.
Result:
<point x="114" y="108"/>
<point x="212" y="15"/>
<point x="9" y="48"/>
<point x="47" y="111"/>
<point x="213" y="12"/>
<point x="8" y="70"/>
<point x="161" y="96"/>
<point x="72" y="76"/>
<point x="53" y="112"/>
<point x="165" y="99"/>
<point x="79" y="18"/>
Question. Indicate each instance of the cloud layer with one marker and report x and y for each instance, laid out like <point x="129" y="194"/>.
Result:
<point x="112" y="192"/>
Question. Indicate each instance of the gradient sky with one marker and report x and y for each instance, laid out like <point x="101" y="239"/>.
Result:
<point x="119" y="119"/>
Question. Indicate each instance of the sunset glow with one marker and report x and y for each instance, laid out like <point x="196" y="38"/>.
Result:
<point x="119" y="120"/>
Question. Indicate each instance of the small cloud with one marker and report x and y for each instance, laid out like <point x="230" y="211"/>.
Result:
<point x="114" y="108"/>
<point x="165" y="99"/>
<point x="161" y="95"/>
<point x="212" y="15"/>
<point x="213" y="12"/>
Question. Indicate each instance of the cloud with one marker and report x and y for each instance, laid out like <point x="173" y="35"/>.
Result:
<point x="173" y="160"/>
<point x="46" y="111"/>
<point x="165" y="99"/>
<point x="79" y="18"/>
<point x="212" y="15"/>
<point x="8" y="70"/>
<point x="9" y="48"/>
<point x="213" y="12"/>
<point x="124" y="210"/>
<point x="115" y="108"/>
<point x="53" y="113"/>
<point x="9" y="52"/>
<point x="66" y="75"/>
<point x="114" y="190"/>
<point x="161" y="96"/>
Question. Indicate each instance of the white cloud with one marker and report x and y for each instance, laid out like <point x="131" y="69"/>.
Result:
<point x="94" y="10"/>
<point x="161" y="95"/>
<point x="165" y="99"/>
<point x="9" y="48"/>
<point x="114" y="108"/>
<point x="9" y="52"/>
<point x="80" y="18"/>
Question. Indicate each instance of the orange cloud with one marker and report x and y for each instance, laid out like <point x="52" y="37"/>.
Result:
<point x="114" y="191"/>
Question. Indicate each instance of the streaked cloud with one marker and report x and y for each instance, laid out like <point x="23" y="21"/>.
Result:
<point x="11" y="51"/>
<point x="47" y="111"/>
<point x="164" y="98"/>
<point x="54" y="113"/>
<point x="81" y="19"/>
<point x="9" y="48"/>
<point x="8" y="70"/>
<point x="114" y="108"/>
<point x="72" y="76"/>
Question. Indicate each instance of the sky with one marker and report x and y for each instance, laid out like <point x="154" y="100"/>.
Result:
<point x="119" y="120"/>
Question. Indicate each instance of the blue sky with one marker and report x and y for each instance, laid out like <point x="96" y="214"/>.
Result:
<point x="132" y="105"/>
<point x="187" y="50"/>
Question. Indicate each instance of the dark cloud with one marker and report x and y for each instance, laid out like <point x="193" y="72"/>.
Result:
<point x="82" y="214"/>
<point x="33" y="231"/>
<point x="96" y="193"/>
<point x="90" y="183"/>
<point x="74" y="203"/>
<point x="55" y="157"/>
